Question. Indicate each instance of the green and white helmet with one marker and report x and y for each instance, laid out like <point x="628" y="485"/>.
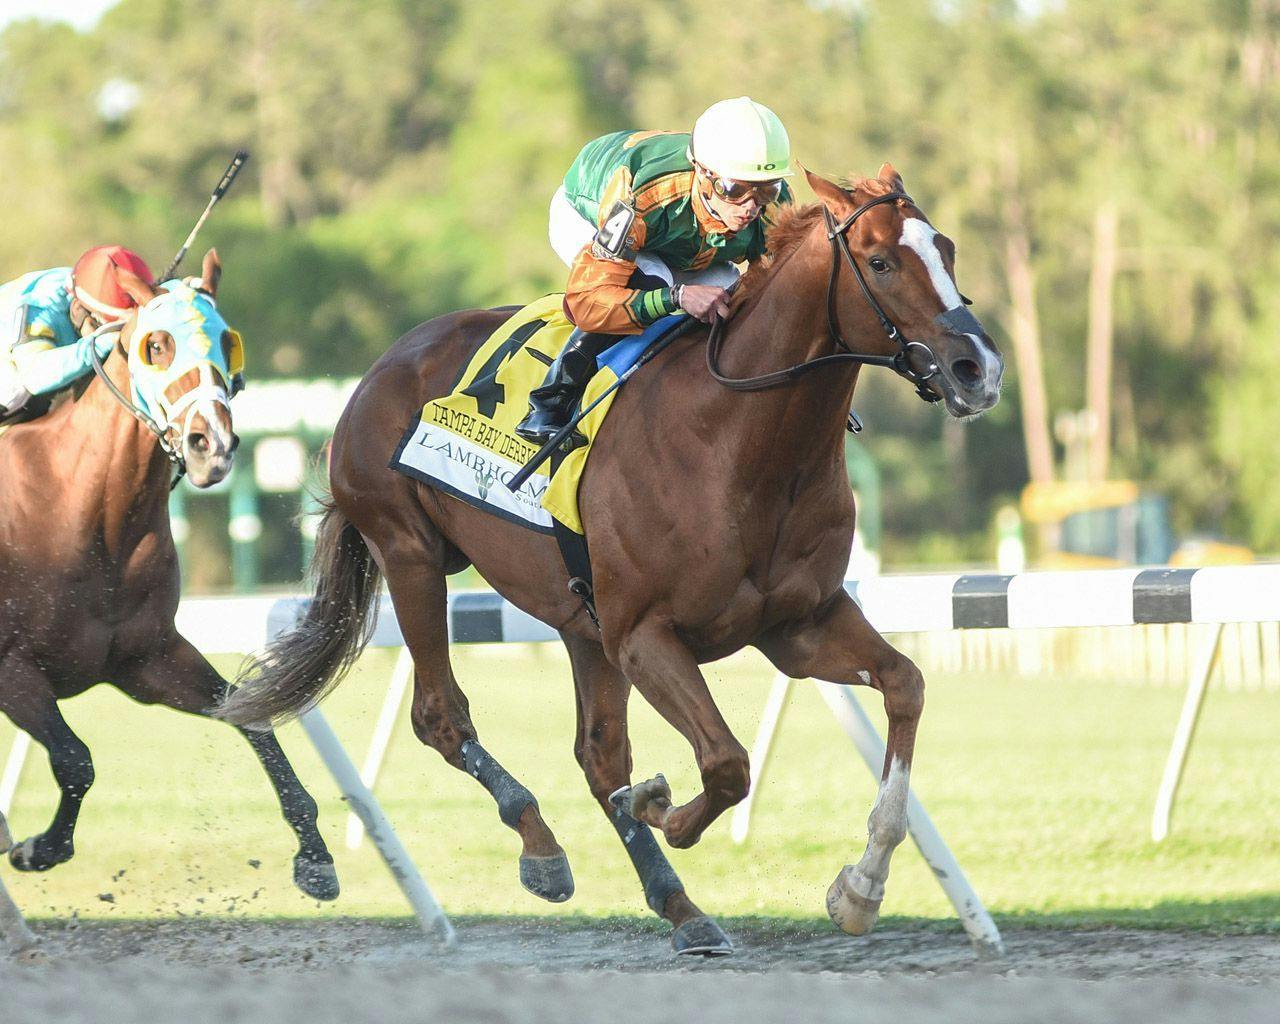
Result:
<point x="743" y="140"/>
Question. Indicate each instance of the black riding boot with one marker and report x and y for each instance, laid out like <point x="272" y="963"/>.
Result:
<point x="552" y="403"/>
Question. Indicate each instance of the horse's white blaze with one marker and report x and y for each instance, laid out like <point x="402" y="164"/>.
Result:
<point x="918" y="235"/>
<point x="886" y="828"/>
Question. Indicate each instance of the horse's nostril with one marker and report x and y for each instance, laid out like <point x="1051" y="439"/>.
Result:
<point x="967" y="372"/>
<point x="198" y="443"/>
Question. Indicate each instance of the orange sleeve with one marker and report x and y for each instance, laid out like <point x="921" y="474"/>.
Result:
<point x="597" y="297"/>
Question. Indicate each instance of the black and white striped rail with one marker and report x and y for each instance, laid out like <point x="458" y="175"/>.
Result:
<point x="893" y="604"/>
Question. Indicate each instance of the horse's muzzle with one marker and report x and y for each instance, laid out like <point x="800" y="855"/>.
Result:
<point x="970" y="371"/>
<point x="208" y="447"/>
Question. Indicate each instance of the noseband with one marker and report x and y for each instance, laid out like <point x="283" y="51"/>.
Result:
<point x="899" y="362"/>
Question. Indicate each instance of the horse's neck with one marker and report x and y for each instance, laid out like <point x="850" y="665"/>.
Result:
<point x="121" y="472"/>
<point x="783" y="325"/>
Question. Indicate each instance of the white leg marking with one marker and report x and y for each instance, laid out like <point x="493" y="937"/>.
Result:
<point x="886" y="828"/>
<point x="853" y="901"/>
<point x="865" y="676"/>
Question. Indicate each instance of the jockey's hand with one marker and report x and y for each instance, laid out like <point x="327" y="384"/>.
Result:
<point x="705" y="302"/>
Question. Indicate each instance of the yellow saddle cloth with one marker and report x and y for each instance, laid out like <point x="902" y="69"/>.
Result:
<point x="465" y="443"/>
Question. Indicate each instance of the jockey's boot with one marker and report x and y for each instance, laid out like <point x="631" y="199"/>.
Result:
<point x="551" y="404"/>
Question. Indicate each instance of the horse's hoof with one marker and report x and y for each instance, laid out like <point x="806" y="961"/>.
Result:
<point x="548" y="878"/>
<point x="636" y="799"/>
<point x="318" y="880"/>
<point x="701" y="936"/>
<point x="851" y="911"/>
<point x="28" y="856"/>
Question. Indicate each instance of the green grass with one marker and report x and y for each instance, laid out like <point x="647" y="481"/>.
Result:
<point x="1043" y="787"/>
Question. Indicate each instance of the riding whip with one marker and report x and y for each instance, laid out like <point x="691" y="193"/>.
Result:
<point x="228" y="177"/>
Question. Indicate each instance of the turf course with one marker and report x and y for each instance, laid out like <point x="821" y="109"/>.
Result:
<point x="1042" y="786"/>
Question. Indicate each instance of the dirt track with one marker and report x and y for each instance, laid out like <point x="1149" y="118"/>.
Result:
<point x="521" y="970"/>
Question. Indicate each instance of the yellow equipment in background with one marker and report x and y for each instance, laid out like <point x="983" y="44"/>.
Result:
<point x="1113" y="523"/>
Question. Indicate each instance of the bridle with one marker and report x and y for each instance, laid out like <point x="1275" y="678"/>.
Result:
<point x="899" y="362"/>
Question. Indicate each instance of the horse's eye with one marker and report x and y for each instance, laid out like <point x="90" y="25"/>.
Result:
<point x="879" y="264"/>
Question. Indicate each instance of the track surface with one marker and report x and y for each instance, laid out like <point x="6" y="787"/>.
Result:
<point x="533" y="970"/>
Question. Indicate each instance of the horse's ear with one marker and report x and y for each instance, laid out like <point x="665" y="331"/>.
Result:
<point x="832" y="195"/>
<point x="211" y="272"/>
<point x="891" y="177"/>
<point x="135" y="287"/>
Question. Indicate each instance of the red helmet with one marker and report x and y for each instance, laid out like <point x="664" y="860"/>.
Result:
<point x="94" y="279"/>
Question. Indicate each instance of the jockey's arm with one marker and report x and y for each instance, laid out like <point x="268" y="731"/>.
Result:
<point x="598" y="296"/>
<point x="43" y="367"/>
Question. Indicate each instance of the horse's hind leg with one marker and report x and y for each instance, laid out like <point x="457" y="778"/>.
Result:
<point x="29" y="701"/>
<point x="839" y="645"/>
<point x="441" y="717"/>
<point x="604" y="752"/>
<point x="179" y="677"/>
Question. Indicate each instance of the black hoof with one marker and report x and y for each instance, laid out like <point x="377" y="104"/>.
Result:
<point x="548" y="878"/>
<point x="701" y="936"/>
<point x="33" y="854"/>
<point x="316" y="879"/>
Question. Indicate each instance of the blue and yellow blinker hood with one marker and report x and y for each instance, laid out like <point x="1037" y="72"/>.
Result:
<point x="191" y="317"/>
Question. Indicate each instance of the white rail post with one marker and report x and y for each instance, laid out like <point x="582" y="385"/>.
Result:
<point x="13" y="770"/>
<point x="13" y="929"/>
<point x="429" y="913"/>
<point x="401" y="676"/>
<point x="761" y="750"/>
<point x="1197" y="685"/>
<point x="983" y="932"/>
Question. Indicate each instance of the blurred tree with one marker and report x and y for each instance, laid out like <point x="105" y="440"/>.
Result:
<point x="404" y="154"/>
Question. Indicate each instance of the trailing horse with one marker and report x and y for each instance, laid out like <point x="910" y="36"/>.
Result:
<point x="88" y="565"/>
<point x="719" y="516"/>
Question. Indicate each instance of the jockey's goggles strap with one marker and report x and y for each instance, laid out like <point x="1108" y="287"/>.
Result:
<point x="899" y="362"/>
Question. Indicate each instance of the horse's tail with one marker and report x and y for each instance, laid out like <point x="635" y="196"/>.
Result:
<point x="300" y="667"/>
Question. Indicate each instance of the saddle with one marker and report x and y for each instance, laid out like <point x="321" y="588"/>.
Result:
<point x="465" y="443"/>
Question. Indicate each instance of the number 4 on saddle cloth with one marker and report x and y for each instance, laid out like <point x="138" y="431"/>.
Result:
<point x="465" y="443"/>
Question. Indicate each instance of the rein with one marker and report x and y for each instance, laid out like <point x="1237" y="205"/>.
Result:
<point x="172" y="454"/>
<point x="899" y="362"/>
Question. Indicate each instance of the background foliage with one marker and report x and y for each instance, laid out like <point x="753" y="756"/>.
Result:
<point x="404" y="153"/>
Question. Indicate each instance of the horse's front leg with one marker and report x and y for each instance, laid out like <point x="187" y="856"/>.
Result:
<point x="838" y="645"/>
<point x="665" y="671"/>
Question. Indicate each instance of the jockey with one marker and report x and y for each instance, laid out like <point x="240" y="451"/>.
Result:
<point x="652" y="223"/>
<point x="47" y="315"/>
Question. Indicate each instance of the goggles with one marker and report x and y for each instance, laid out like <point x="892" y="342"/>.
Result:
<point x="738" y="192"/>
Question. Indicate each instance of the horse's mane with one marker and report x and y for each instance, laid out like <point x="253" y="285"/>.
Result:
<point x="789" y="229"/>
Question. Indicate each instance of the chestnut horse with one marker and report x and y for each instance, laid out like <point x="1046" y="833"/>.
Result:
<point x="88" y="566"/>
<point x="717" y="519"/>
